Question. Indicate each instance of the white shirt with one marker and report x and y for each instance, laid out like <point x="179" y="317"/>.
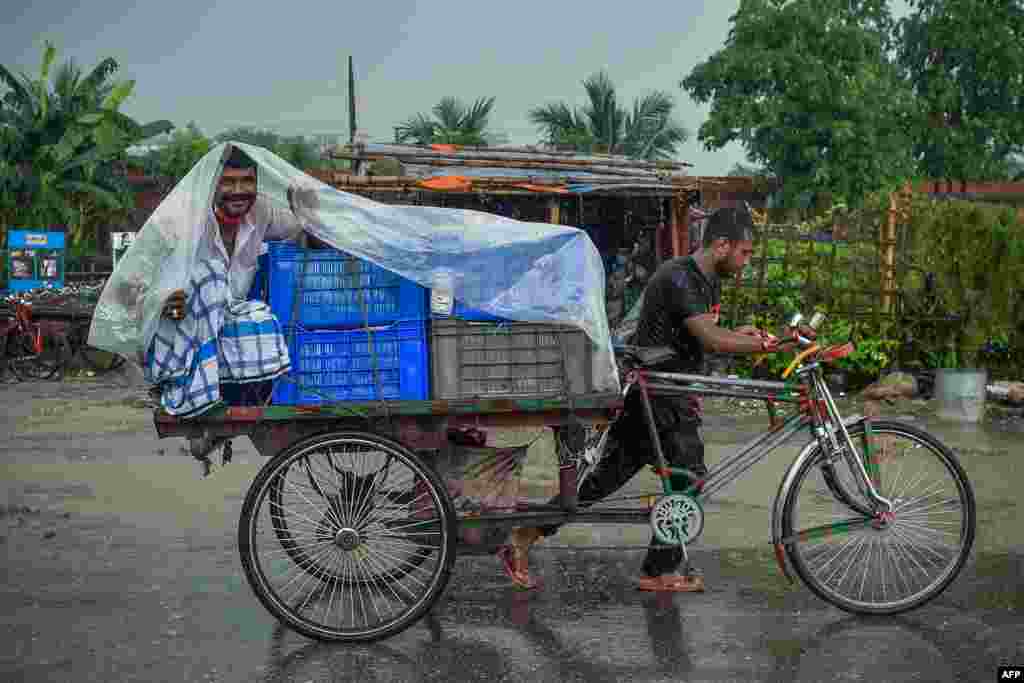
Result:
<point x="264" y="221"/>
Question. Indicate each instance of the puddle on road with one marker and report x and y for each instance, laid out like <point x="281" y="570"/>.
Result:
<point x="148" y="491"/>
<point x="85" y="416"/>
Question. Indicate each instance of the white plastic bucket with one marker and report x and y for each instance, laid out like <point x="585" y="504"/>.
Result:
<point x="960" y="394"/>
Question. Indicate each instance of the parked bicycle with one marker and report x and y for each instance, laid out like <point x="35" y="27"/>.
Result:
<point x="43" y="347"/>
<point x="31" y="350"/>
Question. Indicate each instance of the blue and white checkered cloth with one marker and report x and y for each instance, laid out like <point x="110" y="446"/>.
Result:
<point x="219" y="340"/>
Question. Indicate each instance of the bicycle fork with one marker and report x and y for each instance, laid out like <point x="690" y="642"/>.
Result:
<point x="826" y="429"/>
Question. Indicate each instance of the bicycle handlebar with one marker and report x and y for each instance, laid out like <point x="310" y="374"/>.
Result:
<point x="809" y="347"/>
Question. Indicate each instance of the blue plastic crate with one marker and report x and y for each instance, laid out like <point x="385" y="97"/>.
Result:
<point x="335" y="287"/>
<point x="258" y="291"/>
<point x="339" y="365"/>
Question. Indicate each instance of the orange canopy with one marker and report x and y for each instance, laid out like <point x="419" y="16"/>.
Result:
<point x="453" y="183"/>
<point x="557" y="189"/>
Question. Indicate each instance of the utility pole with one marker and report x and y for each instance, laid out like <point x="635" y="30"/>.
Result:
<point x="351" y="102"/>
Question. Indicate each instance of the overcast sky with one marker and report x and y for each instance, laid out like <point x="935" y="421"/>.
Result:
<point x="283" y="66"/>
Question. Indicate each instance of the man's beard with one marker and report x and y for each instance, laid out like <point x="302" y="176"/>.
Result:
<point x="722" y="269"/>
<point x="224" y="202"/>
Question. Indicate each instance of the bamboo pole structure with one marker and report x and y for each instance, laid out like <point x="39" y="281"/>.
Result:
<point x="554" y="211"/>
<point x="343" y="179"/>
<point x="548" y="165"/>
<point x="887" y="248"/>
<point x="588" y="161"/>
<point x="674" y="227"/>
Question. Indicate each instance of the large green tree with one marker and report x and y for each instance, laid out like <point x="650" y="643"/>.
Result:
<point x="58" y="139"/>
<point x="808" y="89"/>
<point x="602" y="125"/>
<point x="173" y="159"/>
<point x="453" y="122"/>
<point x="964" y="60"/>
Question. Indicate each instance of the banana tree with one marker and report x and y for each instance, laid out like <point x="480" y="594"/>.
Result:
<point x="58" y="144"/>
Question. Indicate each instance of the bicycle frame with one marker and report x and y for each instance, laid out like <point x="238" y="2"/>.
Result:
<point x="818" y="412"/>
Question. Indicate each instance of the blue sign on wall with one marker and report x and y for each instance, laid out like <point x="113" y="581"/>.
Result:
<point x="35" y="258"/>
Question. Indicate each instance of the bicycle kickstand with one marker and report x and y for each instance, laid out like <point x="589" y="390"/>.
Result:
<point x="689" y="569"/>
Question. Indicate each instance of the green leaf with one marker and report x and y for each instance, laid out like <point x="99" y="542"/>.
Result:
<point x="21" y="94"/>
<point x="91" y="119"/>
<point x="68" y="144"/>
<point x="49" y="54"/>
<point x="104" y="196"/>
<point x="120" y="92"/>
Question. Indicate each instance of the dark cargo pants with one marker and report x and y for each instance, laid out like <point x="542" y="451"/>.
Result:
<point x="678" y="421"/>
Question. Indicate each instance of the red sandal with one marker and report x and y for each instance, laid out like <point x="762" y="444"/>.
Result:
<point x="672" y="583"/>
<point x="514" y="562"/>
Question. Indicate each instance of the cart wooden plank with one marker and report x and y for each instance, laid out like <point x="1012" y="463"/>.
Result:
<point x="417" y="424"/>
<point x="384" y="409"/>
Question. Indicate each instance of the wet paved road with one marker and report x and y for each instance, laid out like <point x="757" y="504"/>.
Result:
<point x="120" y="564"/>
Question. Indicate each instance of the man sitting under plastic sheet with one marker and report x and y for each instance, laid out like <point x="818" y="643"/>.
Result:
<point x="212" y="345"/>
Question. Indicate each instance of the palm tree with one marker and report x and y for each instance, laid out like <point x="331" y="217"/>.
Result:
<point x="453" y="123"/>
<point x="648" y="132"/>
<point x="56" y="144"/>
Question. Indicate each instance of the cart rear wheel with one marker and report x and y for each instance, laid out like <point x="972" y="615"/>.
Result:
<point x="347" y="536"/>
<point x="352" y="492"/>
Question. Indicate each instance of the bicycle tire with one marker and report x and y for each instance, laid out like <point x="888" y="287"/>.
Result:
<point x="358" y="538"/>
<point x="907" y="528"/>
<point x="7" y="375"/>
<point x="28" y="364"/>
<point x="6" y="372"/>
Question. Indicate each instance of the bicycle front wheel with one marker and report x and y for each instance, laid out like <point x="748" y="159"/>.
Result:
<point x="881" y="564"/>
<point x="347" y="536"/>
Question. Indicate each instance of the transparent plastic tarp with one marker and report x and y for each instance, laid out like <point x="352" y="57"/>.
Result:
<point x="516" y="270"/>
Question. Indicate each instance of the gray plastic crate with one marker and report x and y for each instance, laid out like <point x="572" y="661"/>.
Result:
<point x="477" y="359"/>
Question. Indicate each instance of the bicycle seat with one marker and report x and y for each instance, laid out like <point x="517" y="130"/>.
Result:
<point x="647" y="356"/>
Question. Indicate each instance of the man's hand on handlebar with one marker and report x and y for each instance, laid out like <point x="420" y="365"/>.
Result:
<point x="769" y="342"/>
<point x="805" y="331"/>
<point x="750" y="330"/>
